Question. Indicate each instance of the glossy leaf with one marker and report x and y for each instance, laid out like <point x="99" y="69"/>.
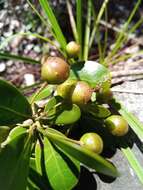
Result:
<point x="44" y="93"/>
<point x="61" y="169"/>
<point x="14" y="107"/>
<point x="83" y="155"/>
<point x="52" y="102"/>
<point x="68" y="115"/>
<point x="64" y="114"/>
<point x="97" y="110"/>
<point x="14" y="162"/>
<point x="35" y="179"/>
<point x="91" y="72"/>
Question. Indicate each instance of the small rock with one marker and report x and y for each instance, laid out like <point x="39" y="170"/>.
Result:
<point x="132" y="50"/>
<point x="3" y="14"/>
<point x="29" y="79"/>
<point x="2" y="67"/>
<point x="1" y="25"/>
<point x="37" y="49"/>
<point x="16" y="41"/>
<point x="29" y="47"/>
<point x="9" y="63"/>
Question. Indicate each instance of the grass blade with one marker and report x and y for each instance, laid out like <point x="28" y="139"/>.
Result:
<point x="120" y="38"/>
<point x="38" y="14"/>
<point x="106" y="36"/>
<point x="4" y="55"/>
<point x="87" y="31"/>
<point x="79" y="24"/>
<point x="97" y="21"/>
<point x="53" y="22"/>
<point x="134" y="163"/>
<point x="72" y="21"/>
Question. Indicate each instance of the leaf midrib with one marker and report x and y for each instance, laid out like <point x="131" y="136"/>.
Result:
<point x="56" y="163"/>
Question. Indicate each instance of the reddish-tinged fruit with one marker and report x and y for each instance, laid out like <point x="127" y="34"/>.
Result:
<point x="92" y="141"/>
<point x="54" y="70"/>
<point x="82" y="93"/>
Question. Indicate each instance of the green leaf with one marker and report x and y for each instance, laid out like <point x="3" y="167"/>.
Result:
<point x="52" y="102"/>
<point x="69" y="114"/>
<point x="83" y="155"/>
<point x="4" y="131"/>
<point x="97" y="110"/>
<point x="53" y="22"/>
<point x="15" y="132"/>
<point x="14" y="162"/>
<point x="14" y="107"/>
<point x="91" y="72"/>
<point x="43" y="94"/>
<point x="133" y="162"/>
<point x="35" y="179"/>
<point x="65" y="114"/>
<point x="5" y="55"/>
<point x="61" y="169"/>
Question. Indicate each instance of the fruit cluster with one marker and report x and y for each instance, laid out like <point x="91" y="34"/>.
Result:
<point x="55" y="70"/>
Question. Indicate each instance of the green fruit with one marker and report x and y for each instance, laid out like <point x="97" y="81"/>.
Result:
<point x="65" y="89"/>
<point x="73" y="49"/>
<point x="82" y="93"/>
<point x="117" y="125"/>
<point x="68" y="115"/>
<point x="54" y="70"/>
<point x="92" y="141"/>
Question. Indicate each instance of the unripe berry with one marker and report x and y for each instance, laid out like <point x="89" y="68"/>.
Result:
<point x="92" y="141"/>
<point x="117" y="125"/>
<point x="73" y="49"/>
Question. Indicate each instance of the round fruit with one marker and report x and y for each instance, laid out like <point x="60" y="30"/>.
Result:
<point x="82" y="93"/>
<point x="55" y="70"/>
<point x="73" y="49"/>
<point x="65" y="89"/>
<point x="92" y="141"/>
<point x="117" y="125"/>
